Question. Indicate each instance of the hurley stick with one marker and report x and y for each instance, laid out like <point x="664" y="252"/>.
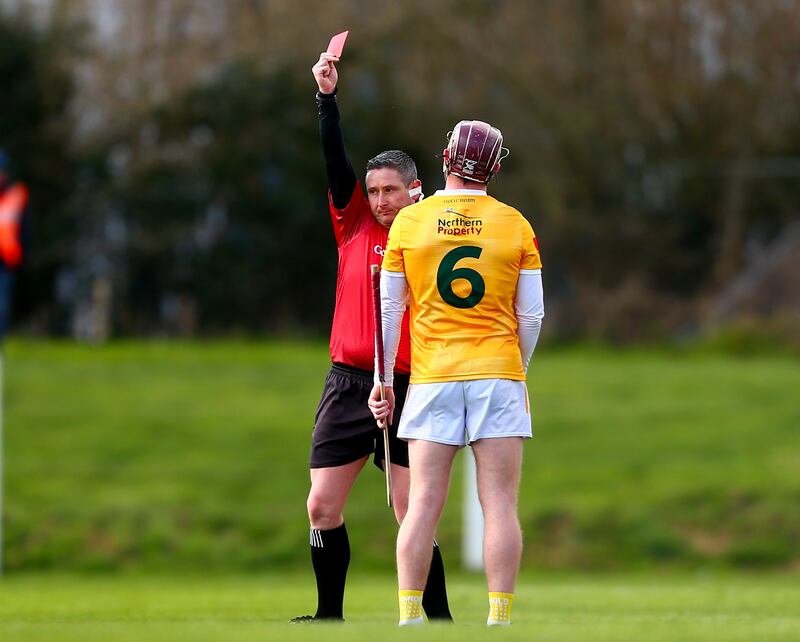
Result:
<point x="376" y="307"/>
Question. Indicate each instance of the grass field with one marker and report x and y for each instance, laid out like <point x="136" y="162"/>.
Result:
<point x="156" y="492"/>
<point x="174" y="457"/>
<point x="674" y="609"/>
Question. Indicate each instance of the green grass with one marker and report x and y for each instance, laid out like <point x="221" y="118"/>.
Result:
<point x="675" y="609"/>
<point x="173" y="457"/>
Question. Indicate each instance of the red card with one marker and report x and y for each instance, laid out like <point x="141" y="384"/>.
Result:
<point x="336" y="45"/>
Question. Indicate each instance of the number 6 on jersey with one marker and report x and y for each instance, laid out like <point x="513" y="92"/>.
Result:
<point x="447" y="273"/>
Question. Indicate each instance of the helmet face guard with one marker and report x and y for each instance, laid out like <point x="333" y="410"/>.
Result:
<point x="474" y="151"/>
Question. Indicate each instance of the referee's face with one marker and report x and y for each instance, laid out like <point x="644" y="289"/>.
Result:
<point x="387" y="194"/>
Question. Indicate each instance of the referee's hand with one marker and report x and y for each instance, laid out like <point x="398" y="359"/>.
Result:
<point x="325" y="72"/>
<point x="382" y="410"/>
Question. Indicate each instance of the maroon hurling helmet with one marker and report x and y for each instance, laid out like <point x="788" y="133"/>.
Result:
<point x="474" y="151"/>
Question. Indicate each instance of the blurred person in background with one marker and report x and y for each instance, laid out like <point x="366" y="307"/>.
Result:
<point x="345" y="434"/>
<point x="14" y="226"/>
<point x="473" y="331"/>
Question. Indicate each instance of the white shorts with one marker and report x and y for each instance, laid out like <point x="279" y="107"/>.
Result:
<point x="460" y="412"/>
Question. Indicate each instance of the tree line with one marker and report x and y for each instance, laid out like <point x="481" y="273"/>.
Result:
<point x="653" y="147"/>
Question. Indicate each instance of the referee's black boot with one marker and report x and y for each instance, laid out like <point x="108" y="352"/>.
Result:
<point x="312" y="619"/>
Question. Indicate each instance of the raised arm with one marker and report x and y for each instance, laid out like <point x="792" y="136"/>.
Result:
<point x="341" y="177"/>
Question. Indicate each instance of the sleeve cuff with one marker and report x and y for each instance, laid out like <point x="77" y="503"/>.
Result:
<point x="324" y="97"/>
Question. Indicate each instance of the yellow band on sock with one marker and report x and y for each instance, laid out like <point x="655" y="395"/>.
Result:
<point x="410" y="605"/>
<point x="500" y="607"/>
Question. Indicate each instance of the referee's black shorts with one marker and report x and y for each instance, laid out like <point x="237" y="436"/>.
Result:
<point x="344" y="428"/>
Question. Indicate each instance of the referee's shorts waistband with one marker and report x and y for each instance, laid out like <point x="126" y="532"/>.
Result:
<point x="343" y="368"/>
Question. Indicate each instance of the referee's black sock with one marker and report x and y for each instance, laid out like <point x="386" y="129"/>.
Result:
<point x="330" y="557"/>
<point x="434" y="599"/>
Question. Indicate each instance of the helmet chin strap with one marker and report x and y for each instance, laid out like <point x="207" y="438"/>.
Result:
<point x="416" y="191"/>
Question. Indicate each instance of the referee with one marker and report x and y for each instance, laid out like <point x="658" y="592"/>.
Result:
<point x="345" y="434"/>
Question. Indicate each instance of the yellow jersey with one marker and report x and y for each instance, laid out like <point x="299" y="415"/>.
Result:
<point x="462" y="252"/>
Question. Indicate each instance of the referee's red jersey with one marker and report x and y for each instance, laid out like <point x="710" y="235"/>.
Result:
<point x="361" y="241"/>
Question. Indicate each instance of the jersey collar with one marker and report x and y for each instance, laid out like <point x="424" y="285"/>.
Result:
<point x="460" y="192"/>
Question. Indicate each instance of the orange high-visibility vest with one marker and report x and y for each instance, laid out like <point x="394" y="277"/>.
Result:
<point x="12" y="205"/>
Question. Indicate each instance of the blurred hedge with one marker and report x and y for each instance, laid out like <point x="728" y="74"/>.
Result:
<point x="653" y="148"/>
